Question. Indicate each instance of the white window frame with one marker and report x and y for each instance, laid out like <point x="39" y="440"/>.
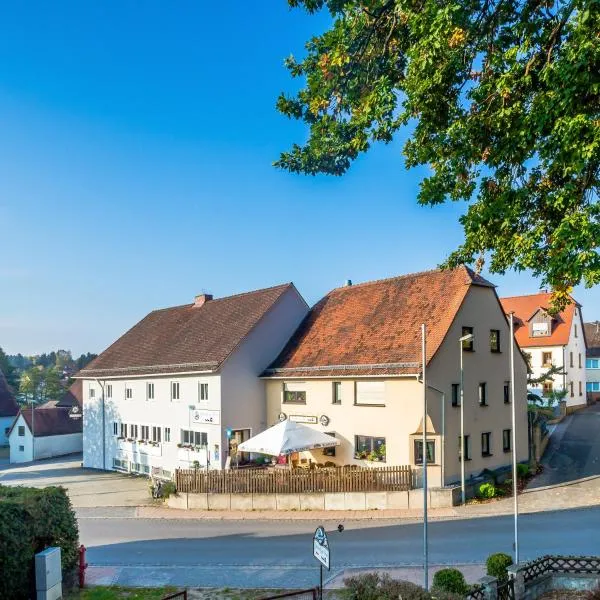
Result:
<point x="202" y="391"/>
<point x="167" y="435"/>
<point x="92" y="392"/>
<point x="109" y="390"/>
<point x="150" y="391"/>
<point x="366" y="397"/>
<point x="128" y="392"/>
<point x="175" y="391"/>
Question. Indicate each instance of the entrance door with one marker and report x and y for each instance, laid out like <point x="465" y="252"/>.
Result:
<point x="237" y="437"/>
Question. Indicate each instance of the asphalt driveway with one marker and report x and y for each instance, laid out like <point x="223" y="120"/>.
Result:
<point x="573" y="451"/>
<point x="86" y="487"/>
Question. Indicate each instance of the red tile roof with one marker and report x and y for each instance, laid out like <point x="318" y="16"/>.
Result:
<point x="525" y="307"/>
<point x="51" y="421"/>
<point x="374" y="328"/>
<point x="185" y="338"/>
<point x="8" y="404"/>
<point x="592" y="336"/>
<point x="73" y="396"/>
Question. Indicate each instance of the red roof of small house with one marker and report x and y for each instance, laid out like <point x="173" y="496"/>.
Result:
<point x="8" y="404"/>
<point x="193" y="337"/>
<point x="374" y="328"/>
<point x="51" y="421"/>
<point x="526" y="307"/>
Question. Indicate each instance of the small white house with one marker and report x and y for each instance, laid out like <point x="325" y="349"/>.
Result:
<point x="44" y="433"/>
<point x="8" y="409"/>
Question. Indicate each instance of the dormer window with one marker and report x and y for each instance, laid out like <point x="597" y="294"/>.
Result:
<point x="540" y="329"/>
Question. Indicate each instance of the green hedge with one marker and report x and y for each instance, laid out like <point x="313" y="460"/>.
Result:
<point x="31" y="520"/>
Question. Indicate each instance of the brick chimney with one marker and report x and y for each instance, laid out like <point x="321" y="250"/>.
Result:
<point x="202" y="299"/>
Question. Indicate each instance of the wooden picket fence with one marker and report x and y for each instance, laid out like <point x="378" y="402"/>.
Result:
<point x="284" y="481"/>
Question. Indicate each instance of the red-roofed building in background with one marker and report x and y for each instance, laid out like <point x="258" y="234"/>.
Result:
<point x="552" y="340"/>
<point x="353" y="368"/>
<point x="8" y="409"/>
<point x="592" y="363"/>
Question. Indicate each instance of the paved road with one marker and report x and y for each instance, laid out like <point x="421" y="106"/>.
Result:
<point x="573" y="451"/>
<point x="86" y="487"/>
<point x="278" y="554"/>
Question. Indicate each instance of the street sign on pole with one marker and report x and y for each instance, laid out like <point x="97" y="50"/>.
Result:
<point x="321" y="547"/>
<point x="75" y="412"/>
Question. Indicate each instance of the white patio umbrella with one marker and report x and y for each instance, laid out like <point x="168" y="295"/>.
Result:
<point x="287" y="437"/>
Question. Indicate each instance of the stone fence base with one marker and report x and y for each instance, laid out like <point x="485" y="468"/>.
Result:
<point x="413" y="500"/>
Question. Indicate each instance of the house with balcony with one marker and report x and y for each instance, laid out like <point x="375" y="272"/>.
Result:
<point x="353" y="370"/>
<point x="552" y="340"/>
<point x="592" y="361"/>
<point x="181" y="388"/>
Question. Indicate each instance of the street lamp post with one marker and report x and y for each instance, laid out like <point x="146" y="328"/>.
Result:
<point x="514" y="435"/>
<point x="464" y="338"/>
<point x="425" y="532"/>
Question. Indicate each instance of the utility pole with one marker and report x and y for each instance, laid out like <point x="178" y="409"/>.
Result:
<point x="425" y="532"/>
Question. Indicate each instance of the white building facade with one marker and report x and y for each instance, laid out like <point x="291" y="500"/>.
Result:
<point x="195" y="393"/>
<point x="552" y="341"/>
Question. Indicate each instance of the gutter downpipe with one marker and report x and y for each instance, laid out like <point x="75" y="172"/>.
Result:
<point x="101" y="384"/>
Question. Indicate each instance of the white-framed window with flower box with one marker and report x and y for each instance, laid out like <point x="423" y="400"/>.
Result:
<point x="193" y="439"/>
<point x="156" y="435"/>
<point x="144" y="433"/>
<point x="370" y="448"/>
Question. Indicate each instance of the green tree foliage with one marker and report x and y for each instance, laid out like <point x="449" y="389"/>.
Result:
<point x="30" y="521"/>
<point x="450" y="580"/>
<point x="497" y="565"/>
<point x="39" y="384"/>
<point x="499" y="98"/>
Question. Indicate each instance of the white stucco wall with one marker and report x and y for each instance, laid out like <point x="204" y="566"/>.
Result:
<point x="244" y="399"/>
<point x="20" y="446"/>
<point x="58" y="445"/>
<point x="162" y="411"/>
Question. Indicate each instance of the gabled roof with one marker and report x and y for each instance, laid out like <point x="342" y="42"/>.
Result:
<point x="8" y="404"/>
<point x="73" y="396"/>
<point x="592" y="335"/>
<point x="189" y="338"/>
<point x="525" y="307"/>
<point x="50" y="421"/>
<point x="374" y="328"/>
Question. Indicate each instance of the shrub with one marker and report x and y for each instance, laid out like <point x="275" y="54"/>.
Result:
<point x="372" y="586"/>
<point x="450" y="580"/>
<point x="522" y="470"/>
<point x="496" y="565"/>
<point x="168" y="488"/>
<point x="487" y="490"/>
<point x="30" y="521"/>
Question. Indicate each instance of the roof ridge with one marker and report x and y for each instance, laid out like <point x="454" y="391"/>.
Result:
<point x="266" y="289"/>
<point x="386" y="279"/>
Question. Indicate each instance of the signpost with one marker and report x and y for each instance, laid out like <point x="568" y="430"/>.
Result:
<point x="321" y="553"/>
<point x="75" y="412"/>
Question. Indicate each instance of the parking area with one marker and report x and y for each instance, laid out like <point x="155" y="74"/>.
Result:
<point x="86" y="487"/>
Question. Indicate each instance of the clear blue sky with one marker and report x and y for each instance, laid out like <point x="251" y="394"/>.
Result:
<point x="135" y="171"/>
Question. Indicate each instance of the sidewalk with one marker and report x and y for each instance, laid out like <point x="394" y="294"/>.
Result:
<point x="261" y="577"/>
<point x="578" y="494"/>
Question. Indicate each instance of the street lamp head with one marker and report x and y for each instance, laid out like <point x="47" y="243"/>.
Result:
<point x="466" y="338"/>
